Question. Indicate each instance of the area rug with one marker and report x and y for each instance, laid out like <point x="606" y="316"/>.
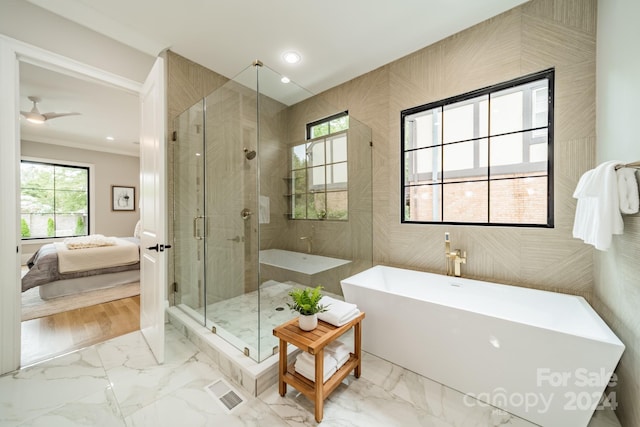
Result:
<point x="33" y="306"/>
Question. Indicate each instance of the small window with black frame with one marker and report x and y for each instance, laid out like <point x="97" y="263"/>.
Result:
<point x="319" y="171"/>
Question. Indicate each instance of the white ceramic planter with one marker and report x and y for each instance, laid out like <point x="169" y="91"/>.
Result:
<point x="308" y="323"/>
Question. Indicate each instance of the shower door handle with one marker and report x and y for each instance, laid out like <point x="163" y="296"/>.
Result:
<point x="195" y="227"/>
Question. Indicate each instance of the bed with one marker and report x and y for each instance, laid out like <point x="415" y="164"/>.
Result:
<point x="60" y="270"/>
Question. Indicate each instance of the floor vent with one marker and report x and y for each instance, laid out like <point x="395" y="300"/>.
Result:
<point x="225" y="395"/>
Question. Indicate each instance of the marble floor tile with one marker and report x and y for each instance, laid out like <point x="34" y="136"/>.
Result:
<point x="137" y="384"/>
<point x="192" y="406"/>
<point x="99" y="409"/>
<point x="41" y="388"/>
<point x="441" y="401"/>
<point x="118" y="383"/>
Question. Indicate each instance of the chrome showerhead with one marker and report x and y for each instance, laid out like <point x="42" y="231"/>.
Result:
<point x="249" y="154"/>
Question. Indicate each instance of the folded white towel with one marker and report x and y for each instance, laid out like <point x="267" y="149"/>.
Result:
<point x="628" y="190"/>
<point x="338" y="351"/>
<point x="307" y="368"/>
<point x="342" y="361"/>
<point x="310" y="374"/>
<point x="598" y="216"/>
<point x="310" y="359"/>
<point x="338" y="312"/>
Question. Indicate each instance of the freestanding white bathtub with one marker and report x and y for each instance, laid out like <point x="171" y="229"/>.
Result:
<point x="546" y="357"/>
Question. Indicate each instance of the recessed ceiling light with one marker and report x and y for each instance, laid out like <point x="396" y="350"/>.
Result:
<point x="285" y="79"/>
<point x="110" y="138"/>
<point x="291" y="57"/>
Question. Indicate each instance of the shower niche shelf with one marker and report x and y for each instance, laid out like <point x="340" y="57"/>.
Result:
<point x="289" y="184"/>
<point x="288" y="195"/>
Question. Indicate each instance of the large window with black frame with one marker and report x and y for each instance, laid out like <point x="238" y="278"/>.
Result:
<point x="484" y="157"/>
<point x="54" y="200"/>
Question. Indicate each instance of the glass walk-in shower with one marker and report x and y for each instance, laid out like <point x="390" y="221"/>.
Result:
<point x="271" y="191"/>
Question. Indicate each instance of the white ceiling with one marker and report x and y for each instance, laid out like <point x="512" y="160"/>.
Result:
<point x="338" y="39"/>
<point x="104" y="111"/>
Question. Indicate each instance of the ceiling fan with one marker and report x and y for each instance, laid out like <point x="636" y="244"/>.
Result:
<point x="35" y="116"/>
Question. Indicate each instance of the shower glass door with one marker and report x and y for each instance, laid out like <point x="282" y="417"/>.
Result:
<point x="189" y="225"/>
<point x="231" y="210"/>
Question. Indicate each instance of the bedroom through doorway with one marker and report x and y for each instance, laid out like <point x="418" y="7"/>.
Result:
<point x="53" y="325"/>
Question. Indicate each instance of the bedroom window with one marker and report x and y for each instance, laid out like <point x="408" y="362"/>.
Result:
<point x="484" y="157"/>
<point x="318" y="180"/>
<point x="54" y="200"/>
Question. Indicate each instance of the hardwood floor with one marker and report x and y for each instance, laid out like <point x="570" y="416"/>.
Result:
<point x="61" y="333"/>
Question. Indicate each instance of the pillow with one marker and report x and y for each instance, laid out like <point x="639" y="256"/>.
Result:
<point x="137" y="230"/>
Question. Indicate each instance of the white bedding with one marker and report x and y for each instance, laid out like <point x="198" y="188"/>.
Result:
<point x="66" y="287"/>
<point x="122" y="253"/>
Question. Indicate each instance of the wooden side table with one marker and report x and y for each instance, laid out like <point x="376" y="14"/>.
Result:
<point x="314" y="343"/>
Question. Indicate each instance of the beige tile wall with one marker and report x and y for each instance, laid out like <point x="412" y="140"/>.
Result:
<point x="533" y="37"/>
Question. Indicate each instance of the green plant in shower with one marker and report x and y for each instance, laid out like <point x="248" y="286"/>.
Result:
<point x="307" y="301"/>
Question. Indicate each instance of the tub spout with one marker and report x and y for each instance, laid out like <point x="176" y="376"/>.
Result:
<point x="458" y="259"/>
<point x="447" y="252"/>
<point x="309" y="240"/>
<point x="453" y="258"/>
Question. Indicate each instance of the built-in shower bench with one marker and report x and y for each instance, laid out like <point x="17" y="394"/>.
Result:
<point x="314" y="342"/>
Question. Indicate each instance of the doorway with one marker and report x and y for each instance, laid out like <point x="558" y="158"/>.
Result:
<point x="100" y="136"/>
<point x="12" y="54"/>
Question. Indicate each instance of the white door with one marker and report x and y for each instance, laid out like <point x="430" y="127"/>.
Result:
<point x="153" y="257"/>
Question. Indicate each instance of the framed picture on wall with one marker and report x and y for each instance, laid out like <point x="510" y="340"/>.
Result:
<point x="123" y="198"/>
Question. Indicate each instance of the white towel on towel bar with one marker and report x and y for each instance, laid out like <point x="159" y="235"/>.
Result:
<point x="339" y="312"/>
<point x="628" y="191"/>
<point x="598" y="215"/>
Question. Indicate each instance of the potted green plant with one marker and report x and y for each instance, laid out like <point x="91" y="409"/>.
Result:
<point x="307" y="303"/>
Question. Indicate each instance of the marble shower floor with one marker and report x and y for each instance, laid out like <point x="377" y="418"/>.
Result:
<point x="118" y="383"/>
<point x="237" y="318"/>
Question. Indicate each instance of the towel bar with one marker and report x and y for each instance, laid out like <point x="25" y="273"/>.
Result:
<point x="635" y="165"/>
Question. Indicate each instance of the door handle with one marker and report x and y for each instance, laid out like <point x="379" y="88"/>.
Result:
<point x="195" y="227"/>
<point x="159" y="248"/>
